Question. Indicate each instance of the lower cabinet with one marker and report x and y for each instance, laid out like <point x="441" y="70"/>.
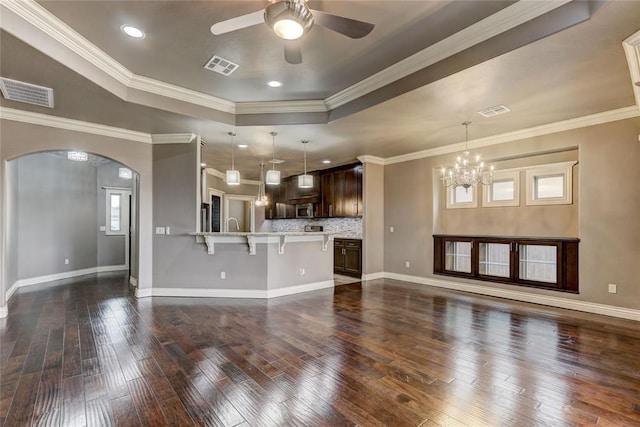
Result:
<point x="347" y="258"/>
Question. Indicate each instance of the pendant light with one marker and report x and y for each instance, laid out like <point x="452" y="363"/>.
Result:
<point x="305" y="181"/>
<point x="273" y="176"/>
<point x="466" y="173"/>
<point x="233" y="176"/>
<point x="261" y="200"/>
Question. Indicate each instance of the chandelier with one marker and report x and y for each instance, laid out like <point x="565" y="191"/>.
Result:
<point x="261" y="200"/>
<point x="465" y="173"/>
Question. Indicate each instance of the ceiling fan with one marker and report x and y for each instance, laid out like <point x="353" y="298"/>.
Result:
<point x="290" y="20"/>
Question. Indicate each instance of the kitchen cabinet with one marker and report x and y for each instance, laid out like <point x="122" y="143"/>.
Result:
<point x="278" y="195"/>
<point x="301" y="196"/>
<point x="347" y="257"/>
<point x="341" y="192"/>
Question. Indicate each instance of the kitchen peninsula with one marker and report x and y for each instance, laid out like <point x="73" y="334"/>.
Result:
<point x="263" y="264"/>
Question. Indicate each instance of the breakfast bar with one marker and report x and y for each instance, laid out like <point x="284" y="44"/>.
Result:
<point x="257" y="265"/>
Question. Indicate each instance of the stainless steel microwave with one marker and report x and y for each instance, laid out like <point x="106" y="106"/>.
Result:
<point x="304" y="211"/>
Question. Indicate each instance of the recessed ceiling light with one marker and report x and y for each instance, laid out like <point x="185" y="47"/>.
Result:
<point x="134" y="32"/>
<point x="326" y="162"/>
<point x="274" y="83"/>
<point x="243" y="146"/>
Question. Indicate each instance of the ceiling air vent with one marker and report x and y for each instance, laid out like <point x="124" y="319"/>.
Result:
<point x="15" y="90"/>
<point x="494" y="111"/>
<point x="221" y="65"/>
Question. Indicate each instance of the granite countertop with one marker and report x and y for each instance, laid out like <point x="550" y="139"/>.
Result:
<point x="344" y="236"/>
<point x="267" y="234"/>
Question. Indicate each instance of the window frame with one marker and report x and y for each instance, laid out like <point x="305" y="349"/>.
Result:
<point x="566" y="260"/>
<point x="487" y="191"/>
<point x="564" y="169"/>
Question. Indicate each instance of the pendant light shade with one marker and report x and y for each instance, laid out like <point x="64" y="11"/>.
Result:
<point x="305" y="181"/>
<point x="273" y="175"/>
<point x="232" y="176"/>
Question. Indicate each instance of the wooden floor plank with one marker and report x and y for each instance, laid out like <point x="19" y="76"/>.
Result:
<point x="86" y="352"/>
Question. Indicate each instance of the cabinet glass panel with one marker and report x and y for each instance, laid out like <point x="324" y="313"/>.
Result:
<point x="458" y="256"/>
<point x="539" y="263"/>
<point x="494" y="259"/>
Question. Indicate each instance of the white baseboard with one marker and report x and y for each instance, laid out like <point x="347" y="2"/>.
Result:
<point x="59" y="276"/>
<point x="3" y="312"/>
<point x="143" y="293"/>
<point x="571" y="304"/>
<point x="236" y="293"/>
<point x="373" y="276"/>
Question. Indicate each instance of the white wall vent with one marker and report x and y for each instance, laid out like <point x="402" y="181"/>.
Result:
<point x="15" y="90"/>
<point x="221" y="65"/>
<point x="494" y="111"/>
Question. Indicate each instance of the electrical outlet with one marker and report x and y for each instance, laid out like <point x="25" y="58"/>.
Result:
<point x="301" y="271"/>
<point x="407" y="264"/>
<point x="613" y="288"/>
<point x="66" y="261"/>
<point x="223" y="275"/>
<point x="391" y="229"/>
<point x="103" y="228"/>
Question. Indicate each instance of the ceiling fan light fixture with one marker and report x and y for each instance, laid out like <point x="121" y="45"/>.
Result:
<point x="289" y="19"/>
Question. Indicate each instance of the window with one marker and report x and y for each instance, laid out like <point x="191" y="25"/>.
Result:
<point x="550" y="184"/>
<point x="460" y="197"/>
<point x="542" y="263"/>
<point x="504" y="190"/>
<point x="117" y="211"/>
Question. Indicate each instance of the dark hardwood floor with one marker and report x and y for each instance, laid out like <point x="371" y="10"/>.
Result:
<point x="385" y="353"/>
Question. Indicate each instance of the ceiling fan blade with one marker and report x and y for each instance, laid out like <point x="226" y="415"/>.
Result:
<point x="292" y="52"/>
<point x="237" y="23"/>
<point x="349" y="27"/>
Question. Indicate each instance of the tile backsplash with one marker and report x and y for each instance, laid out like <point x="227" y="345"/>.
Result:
<point x="347" y="227"/>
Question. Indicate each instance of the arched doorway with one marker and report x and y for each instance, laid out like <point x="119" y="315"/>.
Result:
<point x="68" y="213"/>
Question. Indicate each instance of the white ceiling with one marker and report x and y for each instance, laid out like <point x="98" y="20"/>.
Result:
<point x="565" y="64"/>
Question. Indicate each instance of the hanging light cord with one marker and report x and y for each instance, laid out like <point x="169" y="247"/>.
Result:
<point x="273" y="140"/>
<point x="232" y="134"/>
<point x="305" y="142"/>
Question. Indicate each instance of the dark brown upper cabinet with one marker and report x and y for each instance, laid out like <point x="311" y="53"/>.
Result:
<point x="341" y="192"/>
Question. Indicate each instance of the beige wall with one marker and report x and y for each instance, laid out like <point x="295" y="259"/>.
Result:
<point x="606" y="221"/>
<point x="22" y="138"/>
<point x="523" y="220"/>
<point x="373" y="219"/>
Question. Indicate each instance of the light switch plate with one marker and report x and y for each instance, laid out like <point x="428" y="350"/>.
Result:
<point x="103" y="228"/>
<point x="160" y="230"/>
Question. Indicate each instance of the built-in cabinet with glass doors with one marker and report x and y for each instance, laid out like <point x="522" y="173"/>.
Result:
<point x="550" y="263"/>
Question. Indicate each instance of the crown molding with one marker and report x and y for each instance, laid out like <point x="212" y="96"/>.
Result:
<point x="371" y="159"/>
<point x="39" y="17"/>
<point x="73" y="125"/>
<point x="172" y="138"/>
<point x="504" y="20"/>
<point x="561" y="126"/>
<point x="631" y="46"/>
<point x="179" y="93"/>
<point x="310" y="106"/>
